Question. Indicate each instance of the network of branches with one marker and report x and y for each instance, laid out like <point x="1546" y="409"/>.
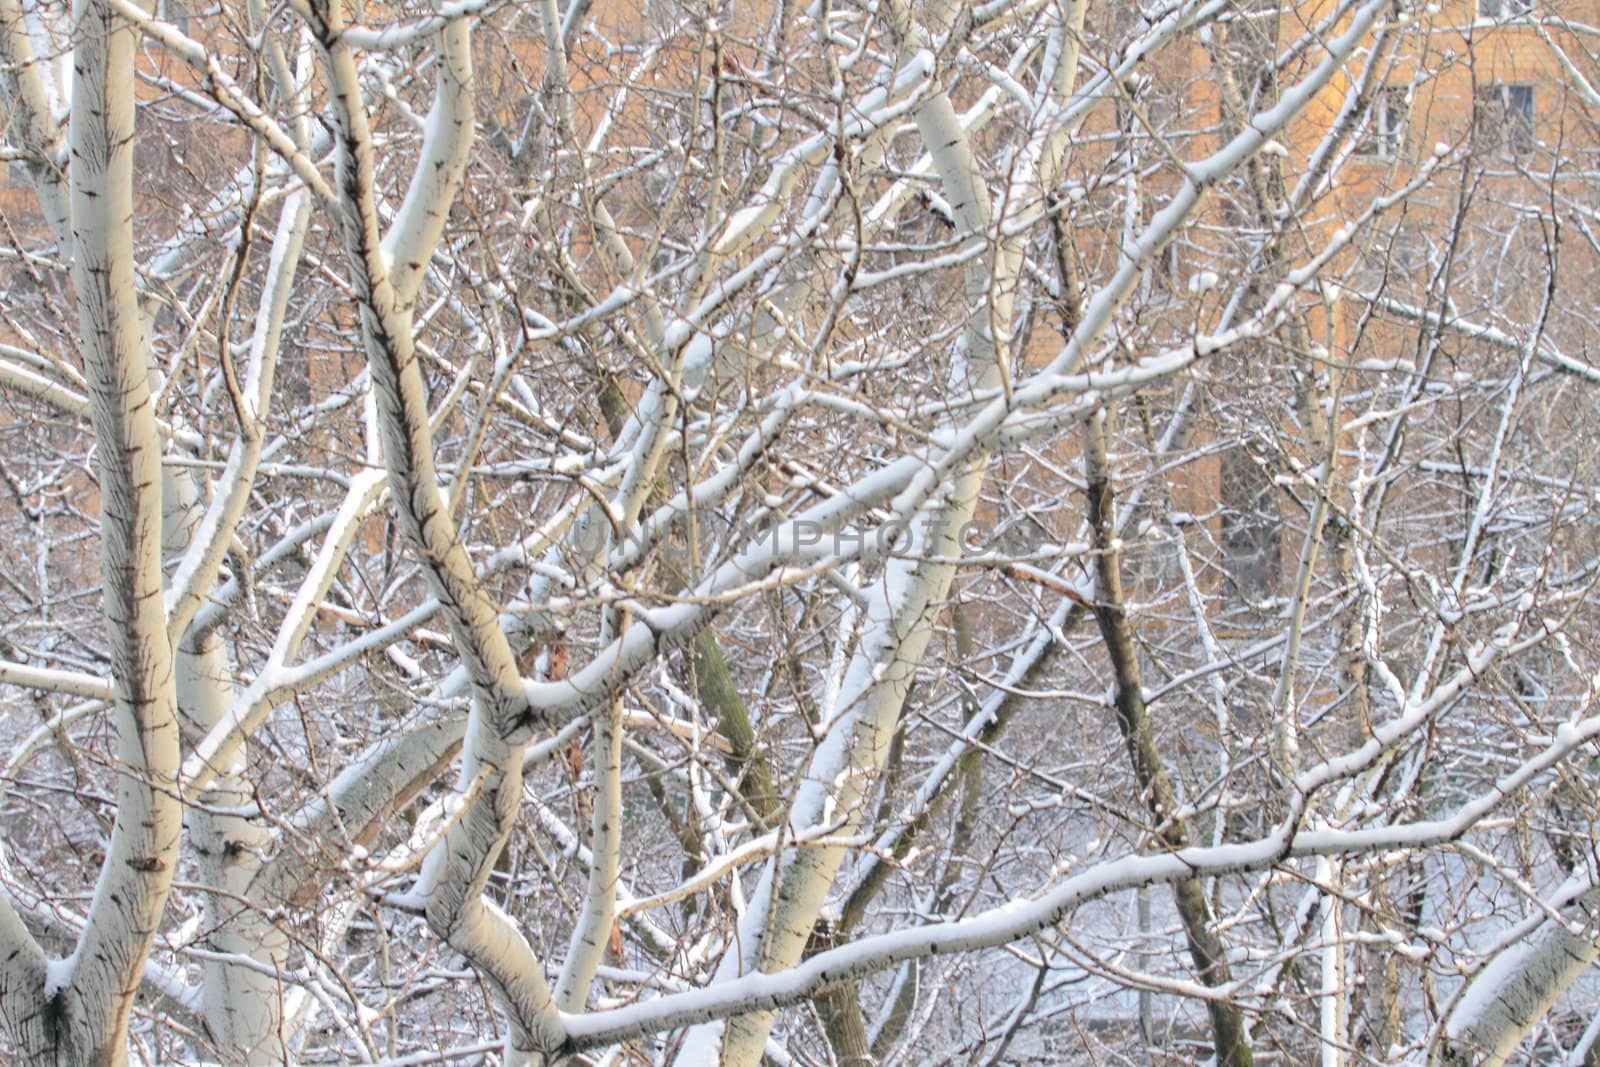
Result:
<point x="856" y="533"/>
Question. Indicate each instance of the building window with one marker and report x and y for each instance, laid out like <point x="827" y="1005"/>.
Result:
<point x="1504" y="9"/>
<point x="1386" y="124"/>
<point x="1505" y="119"/>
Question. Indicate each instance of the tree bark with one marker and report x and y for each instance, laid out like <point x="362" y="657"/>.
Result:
<point x="80" y="1016"/>
<point x="1504" y="1000"/>
<point x="1229" y="1033"/>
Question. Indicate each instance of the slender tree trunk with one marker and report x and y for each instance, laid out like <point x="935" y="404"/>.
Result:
<point x="490" y="783"/>
<point x="839" y="1008"/>
<point x="243" y="993"/>
<point x="900" y="622"/>
<point x="75" y="1011"/>
<point x="1231" y="1037"/>
<point x="592" y="933"/>
<point x="33" y="123"/>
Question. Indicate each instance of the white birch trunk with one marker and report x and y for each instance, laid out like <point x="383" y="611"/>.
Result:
<point x="25" y="985"/>
<point x="1505" y="1000"/>
<point x="593" y="930"/>
<point x="243" y="998"/>
<point x="899" y="624"/>
<point x="490" y="783"/>
<point x="242" y="995"/>
<point x="82" y="1013"/>
<point x="905" y="601"/>
<point x="34" y="124"/>
<point x="1332" y="1011"/>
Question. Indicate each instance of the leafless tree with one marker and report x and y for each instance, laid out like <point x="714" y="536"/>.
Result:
<point x="850" y="533"/>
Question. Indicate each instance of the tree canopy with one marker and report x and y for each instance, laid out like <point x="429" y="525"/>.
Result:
<point x="694" y="533"/>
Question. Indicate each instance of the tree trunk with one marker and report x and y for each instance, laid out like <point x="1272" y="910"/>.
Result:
<point x="1508" y="997"/>
<point x="1232" y="1039"/>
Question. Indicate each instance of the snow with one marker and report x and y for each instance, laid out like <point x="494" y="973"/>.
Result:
<point x="872" y="607"/>
<point x="407" y="664"/>
<point x="57" y="974"/>
<point x="1386" y="365"/>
